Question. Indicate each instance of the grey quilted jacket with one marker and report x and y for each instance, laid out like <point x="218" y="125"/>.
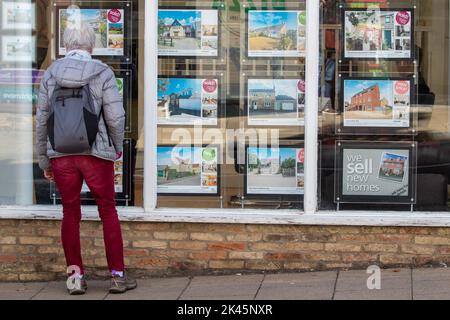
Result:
<point x="72" y="72"/>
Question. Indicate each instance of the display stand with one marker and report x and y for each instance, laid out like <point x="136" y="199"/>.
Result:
<point x="112" y="23"/>
<point x="377" y="76"/>
<point x="192" y="86"/>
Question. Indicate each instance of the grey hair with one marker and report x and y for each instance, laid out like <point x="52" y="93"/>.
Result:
<point x="79" y="37"/>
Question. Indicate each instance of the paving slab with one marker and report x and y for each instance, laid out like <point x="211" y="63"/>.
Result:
<point x="385" y="273"/>
<point x="298" y="286"/>
<point x="437" y="296"/>
<point x="19" y="290"/>
<point x="223" y="286"/>
<point x="56" y="290"/>
<point x="431" y="274"/>
<point x="231" y="297"/>
<point x="356" y="280"/>
<point x="154" y="289"/>
<point x="221" y="290"/>
<point x="230" y="279"/>
<point x="295" y="293"/>
<point x="430" y="287"/>
<point x="390" y="294"/>
<point x="305" y="279"/>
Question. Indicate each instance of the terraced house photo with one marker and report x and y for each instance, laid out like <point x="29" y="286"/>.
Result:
<point x="375" y="32"/>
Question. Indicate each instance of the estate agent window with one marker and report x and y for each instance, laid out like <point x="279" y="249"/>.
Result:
<point x="225" y="108"/>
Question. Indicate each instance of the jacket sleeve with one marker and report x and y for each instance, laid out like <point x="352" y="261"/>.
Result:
<point x="114" y="113"/>
<point x="41" y="125"/>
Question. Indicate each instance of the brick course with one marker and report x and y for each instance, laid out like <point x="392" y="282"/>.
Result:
<point x="31" y="250"/>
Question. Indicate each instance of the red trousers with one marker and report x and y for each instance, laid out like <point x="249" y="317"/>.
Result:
<point x="69" y="173"/>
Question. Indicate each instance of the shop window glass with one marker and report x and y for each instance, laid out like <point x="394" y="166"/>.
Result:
<point x="30" y="39"/>
<point x="231" y="90"/>
<point x="383" y="118"/>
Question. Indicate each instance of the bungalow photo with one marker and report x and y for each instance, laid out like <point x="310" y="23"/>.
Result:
<point x="188" y="32"/>
<point x="273" y="101"/>
<point x="272" y="170"/>
<point x="368" y="100"/>
<point x="187" y="101"/>
<point x="393" y="167"/>
<point x="273" y="33"/>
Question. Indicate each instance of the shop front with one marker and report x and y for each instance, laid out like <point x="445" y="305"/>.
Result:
<point x="264" y="135"/>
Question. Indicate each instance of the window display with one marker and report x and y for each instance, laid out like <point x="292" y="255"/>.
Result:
<point x="251" y="94"/>
<point x="18" y="48"/>
<point x="188" y="32"/>
<point x="188" y="170"/>
<point x="118" y="177"/>
<point x="276" y="102"/>
<point x="123" y="79"/>
<point x="187" y="100"/>
<point x="376" y="102"/>
<point x="111" y="25"/>
<point x="275" y="171"/>
<point x="378" y="33"/>
<point x="276" y="33"/>
<point x="18" y="15"/>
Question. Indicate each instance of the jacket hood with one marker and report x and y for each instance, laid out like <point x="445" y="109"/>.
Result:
<point x="74" y="73"/>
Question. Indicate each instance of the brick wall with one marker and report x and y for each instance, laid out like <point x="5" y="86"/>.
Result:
<point x="31" y="250"/>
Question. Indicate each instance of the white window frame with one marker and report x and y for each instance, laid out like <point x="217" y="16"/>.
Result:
<point x="311" y="117"/>
<point x="310" y="216"/>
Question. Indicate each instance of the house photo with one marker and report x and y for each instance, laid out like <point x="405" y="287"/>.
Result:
<point x="275" y="99"/>
<point x="178" y="166"/>
<point x="271" y="170"/>
<point x="392" y="167"/>
<point x="188" y="32"/>
<point x="272" y="31"/>
<point x="368" y="99"/>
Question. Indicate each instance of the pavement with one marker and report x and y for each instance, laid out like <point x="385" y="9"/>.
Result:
<point x="395" y="284"/>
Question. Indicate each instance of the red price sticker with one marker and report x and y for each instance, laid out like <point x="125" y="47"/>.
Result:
<point x="402" y="18"/>
<point x="301" y="155"/>
<point x="210" y="85"/>
<point x="401" y="87"/>
<point x="114" y="16"/>
<point x="301" y="85"/>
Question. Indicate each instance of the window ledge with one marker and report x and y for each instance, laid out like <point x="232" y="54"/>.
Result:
<point x="247" y="216"/>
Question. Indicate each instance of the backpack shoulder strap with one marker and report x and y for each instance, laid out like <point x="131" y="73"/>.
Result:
<point x="53" y="98"/>
<point x="101" y="114"/>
